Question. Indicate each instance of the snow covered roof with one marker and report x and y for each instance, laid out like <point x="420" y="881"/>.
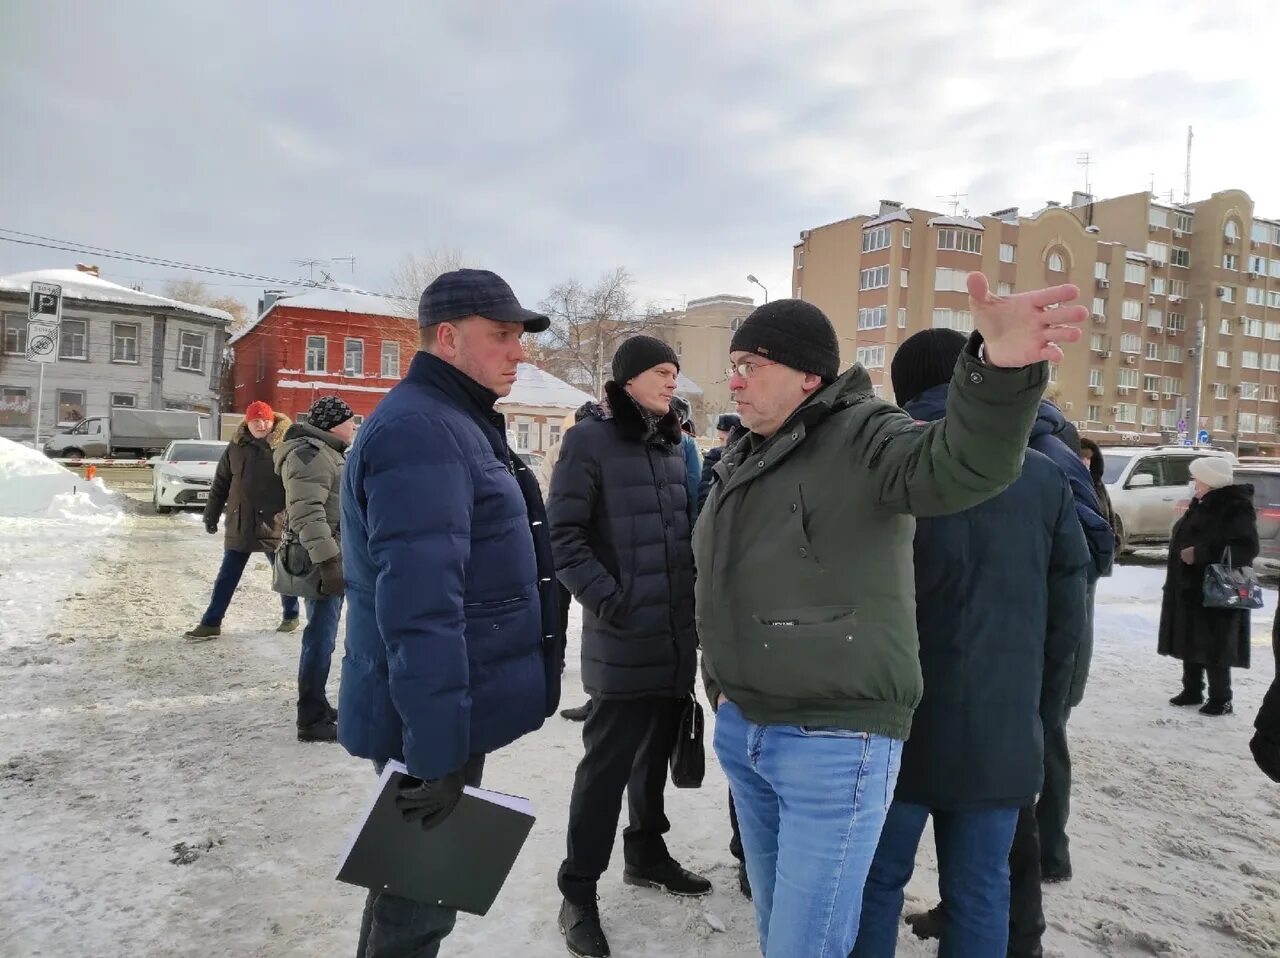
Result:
<point x="966" y="222"/>
<point x="895" y="216"/>
<point x="538" y="388"/>
<point x="686" y="386"/>
<point x="335" y="299"/>
<point x="83" y="286"/>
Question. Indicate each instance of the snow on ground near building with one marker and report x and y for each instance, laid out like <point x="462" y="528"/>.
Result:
<point x="53" y="523"/>
<point x="157" y="802"/>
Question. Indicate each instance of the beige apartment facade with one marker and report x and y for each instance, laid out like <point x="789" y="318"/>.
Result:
<point x="700" y="335"/>
<point x="1146" y="270"/>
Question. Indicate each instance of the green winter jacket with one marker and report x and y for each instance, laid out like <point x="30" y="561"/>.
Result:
<point x="806" y="582"/>
<point x="309" y="463"/>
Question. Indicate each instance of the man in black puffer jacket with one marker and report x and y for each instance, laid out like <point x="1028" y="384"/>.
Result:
<point x="620" y="531"/>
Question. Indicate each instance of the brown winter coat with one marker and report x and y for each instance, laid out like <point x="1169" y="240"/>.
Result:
<point x="247" y="488"/>
<point x="1188" y="631"/>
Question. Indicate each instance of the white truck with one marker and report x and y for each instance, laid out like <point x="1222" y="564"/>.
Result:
<point x="127" y="432"/>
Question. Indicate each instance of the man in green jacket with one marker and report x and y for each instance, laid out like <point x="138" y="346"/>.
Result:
<point x="805" y="588"/>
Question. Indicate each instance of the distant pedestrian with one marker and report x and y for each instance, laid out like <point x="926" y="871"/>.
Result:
<point x="1221" y="517"/>
<point x="248" y="490"/>
<point x="728" y="428"/>
<point x="310" y="461"/>
<point x="1091" y="456"/>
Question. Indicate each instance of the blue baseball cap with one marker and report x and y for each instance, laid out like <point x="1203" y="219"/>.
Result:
<point x="475" y="292"/>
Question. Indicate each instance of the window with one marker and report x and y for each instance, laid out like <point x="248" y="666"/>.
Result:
<point x="123" y="400"/>
<point x="1272" y="331"/>
<point x="960" y="320"/>
<point x="73" y="342"/>
<point x="1219" y="390"/>
<point x="1255" y="296"/>
<point x="1182" y="222"/>
<point x="1153" y="350"/>
<point x="1260" y="233"/>
<point x="1158" y="252"/>
<point x="390" y="360"/>
<point x="124" y="343"/>
<point x="904" y="277"/>
<point x="1269" y="394"/>
<point x="1248" y="390"/>
<point x="553" y="433"/>
<point x="1171" y="386"/>
<point x="954" y="280"/>
<point x="1219" y="423"/>
<point x="1157" y="217"/>
<point x="1169" y="420"/>
<point x="1149" y="416"/>
<point x="1004" y="289"/>
<point x="1273" y="299"/>
<point x="1132" y="310"/>
<point x="799" y="293"/>
<point x="876" y="239"/>
<point x="1178" y="287"/>
<point x="877" y="390"/>
<point x="875" y="278"/>
<point x="1097" y="342"/>
<point x="1095" y="414"/>
<point x="1252" y="327"/>
<point x="1224" y="327"/>
<point x="191" y="351"/>
<point x="15" y="402"/>
<point x="1155" y="319"/>
<point x="1230" y="261"/>
<point x="317" y="354"/>
<point x="15" y="334"/>
<point x="1224" y="359"/>
<point x="353" y="357"/>
<point x="1095" y="378"/>
<point x="964" y="241"/>
<point x="523" y="431"/>
<point x="1248" y="422"/>
<point x="1053" y="372"/>
<point x="1157" y="286"/>
<point x="1177" y="322"/>
<point x="1135" y="273"/>
<point x="872" y="357"/>
<point x="1006" y="253"/>
<point x="70" y="406"/>
<point x="1129" y="378"/>
<point x="1232" y="230"/>
<point x="1099" y="270"/>
<point x="906" y="238"/>
<point x="902" y="317"/>
<point x="1056" y="263"/>
<point x="876" y="317"/>
<point x="799" y="259"/>
<point x="1099" y="306"/>
<point x="1181" y="257"/>
<point x="1258" y="264"/>
<point x="1130" y="343"/>
<point x="1150" y="466"/>
<point x="1248" y="360"/>
<point x="1228" y="294"/>
<point x="1275" y="266"/>
<point x="1173" y="354"/>
<point x="1271" y="362"/>
<point x="1125" y="412"/>
<point x="1266" y="424"/>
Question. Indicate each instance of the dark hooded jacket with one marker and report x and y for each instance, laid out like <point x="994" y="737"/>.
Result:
<point x="1000" y="611"/>
<point x="1221" y="519"/>
<point x="247" y="488"/>
<point x="620" y="531"/>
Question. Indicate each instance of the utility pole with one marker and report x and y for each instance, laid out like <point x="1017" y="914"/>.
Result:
<point x="1186" y="183"/>
<point x="1197" y="372"/>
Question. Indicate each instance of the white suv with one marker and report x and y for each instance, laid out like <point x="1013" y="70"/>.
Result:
<point x="1145" y="483"/>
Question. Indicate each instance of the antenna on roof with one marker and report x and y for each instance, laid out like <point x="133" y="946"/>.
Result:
<point x="954" y="199"/>
<point x="1083" y="159"/>
<point x="311" y="265"/>
<point x="1186" y="183"/>
<point x="349" y="260"/>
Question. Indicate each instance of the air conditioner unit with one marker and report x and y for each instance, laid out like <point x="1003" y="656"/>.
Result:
<point x="1220" y="292"/>
<point x="1130" y="360"/>
<point x="1253" y="275"/>
<point x="1175" y="299"/>
<point x="1105" y="353"/>
<point x="1153" y="395"/>
<point x="1178" y="234"/>
<point x="1068" y="406"/>
<point x="1104" y="284"/>
<point x="1158" y="264"/>
<point x="1151" y="227"/>
<point x="1114" y="410"/>
<point x="1111" y="428"/>
<point x="1124" y="390"/>
<point x="1151" y="300"/>
<point x="1096" y="390"/>
<point x="1100" y="319"/>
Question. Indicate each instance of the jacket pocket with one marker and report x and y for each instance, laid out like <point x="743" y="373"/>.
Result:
<point x="495" y="606"/>
<point x="800" y="653"/>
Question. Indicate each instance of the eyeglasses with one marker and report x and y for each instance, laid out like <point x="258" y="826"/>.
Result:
<point x="745" y="369"/>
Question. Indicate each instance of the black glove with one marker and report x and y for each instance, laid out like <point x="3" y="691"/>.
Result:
<point x="211" y="526"/>
<point x="430" y="802"/>
<point x="331" y="581"/>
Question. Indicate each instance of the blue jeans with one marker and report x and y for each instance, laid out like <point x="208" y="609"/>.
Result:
<point x="973" y="876"/>
<point x="318" y="640"/>
<point x="224" y="587"/>
<point x="810" y="803"/>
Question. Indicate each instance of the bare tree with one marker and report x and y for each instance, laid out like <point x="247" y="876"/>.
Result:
<point x="416" y="271"/>
<point x="587" y="324"/>
<point x="198" y="294"/>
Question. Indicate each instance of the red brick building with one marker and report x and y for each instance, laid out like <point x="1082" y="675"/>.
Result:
<point x="321" y="342"/>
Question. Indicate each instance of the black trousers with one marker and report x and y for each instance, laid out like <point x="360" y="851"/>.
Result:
<point x="1054" y="807"/>
<point x="1219" y="680"/>
<point x="735" y="843"/>
<point x="628" y="744"/>
<point x="1026" y="906"/>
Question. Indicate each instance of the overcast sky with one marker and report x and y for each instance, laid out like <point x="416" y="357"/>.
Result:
<point x="688" y="142"/>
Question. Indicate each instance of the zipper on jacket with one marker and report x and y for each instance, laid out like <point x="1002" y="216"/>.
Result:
<point x="875" y="456"/>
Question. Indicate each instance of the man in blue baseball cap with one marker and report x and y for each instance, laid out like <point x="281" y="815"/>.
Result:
<point x="453" y="645"/>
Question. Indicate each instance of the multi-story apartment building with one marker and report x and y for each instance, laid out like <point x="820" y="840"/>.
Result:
<point x="700" y="335"/>
<point x="1147" y="270"/>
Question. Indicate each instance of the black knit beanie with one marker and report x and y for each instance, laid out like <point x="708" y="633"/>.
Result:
<point x="329" y="411"/>
<point x="794" y="333"/>
<point x="925" y="360"/>
<point x="639" y="354"/>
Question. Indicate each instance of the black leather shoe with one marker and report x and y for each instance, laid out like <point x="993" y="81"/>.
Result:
<point x="744" y="883"/>
<point x="1187" y="697"/>
<point x="578" y="713"/>
<point x="1217" y="707"/>
<point x="321" y="731"/>
<point x="1055" y="876"/>
<point x="926" y="924"/>
<point x="668" y="876"/>
<point x="580" y="925"/>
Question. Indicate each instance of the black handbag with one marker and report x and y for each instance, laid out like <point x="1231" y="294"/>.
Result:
<point x="688" y="759"/>
<point x="293" y="572"/>
<point x="1226" y="587"/>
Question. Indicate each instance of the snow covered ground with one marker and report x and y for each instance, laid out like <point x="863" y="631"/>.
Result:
<point x="155" y="801"/>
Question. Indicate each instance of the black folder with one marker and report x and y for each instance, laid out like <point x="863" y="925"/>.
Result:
<point x="461" y="863"/>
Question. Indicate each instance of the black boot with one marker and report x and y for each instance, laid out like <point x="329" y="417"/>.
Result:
<point x="1217" y="707"/>
<point x="321" y="731"/>
<point x="744" y="883"/>
<point x="668" y="876"/>
<point x="580" y="925"/>
<point x="578" y="713"/>
<point x="926" y="924"/>
<point x="1187" y="697"/>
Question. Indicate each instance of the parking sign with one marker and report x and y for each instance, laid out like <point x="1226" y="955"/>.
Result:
<point x="45" y="304"/>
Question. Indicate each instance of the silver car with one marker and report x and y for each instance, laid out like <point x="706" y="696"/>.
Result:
<point x="184" y="473"/>
<point x="1145" y="485"/>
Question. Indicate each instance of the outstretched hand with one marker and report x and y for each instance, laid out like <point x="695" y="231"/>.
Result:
<point x="1025" y="328"/>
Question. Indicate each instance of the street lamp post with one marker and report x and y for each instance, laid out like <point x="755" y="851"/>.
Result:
<point x="752" y="279"/>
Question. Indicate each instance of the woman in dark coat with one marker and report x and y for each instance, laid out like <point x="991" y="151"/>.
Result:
<point x="248" y="490"/>
<point x="1092" y="457"/>
<point x="1220" y="517"/>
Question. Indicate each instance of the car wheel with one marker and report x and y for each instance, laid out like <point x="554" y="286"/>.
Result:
<point x="155" y="501"/>
<point x="73" y="453"/>
<point x="1122" y="537"/>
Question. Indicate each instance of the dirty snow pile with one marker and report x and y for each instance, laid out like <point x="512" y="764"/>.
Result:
<point x="54" y="523"/>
